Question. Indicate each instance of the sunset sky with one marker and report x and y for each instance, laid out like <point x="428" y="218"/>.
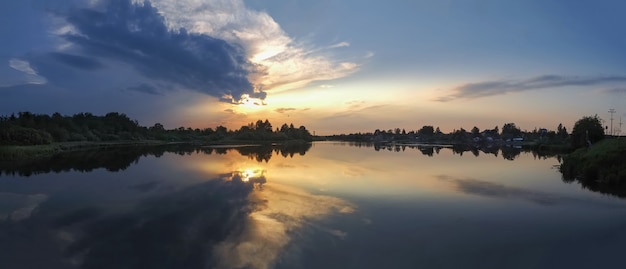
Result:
<point x="333" y="66"/>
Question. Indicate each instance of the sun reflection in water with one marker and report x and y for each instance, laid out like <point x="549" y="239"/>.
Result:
<point x="249" y="173"/>
<point x="280" y="212"/>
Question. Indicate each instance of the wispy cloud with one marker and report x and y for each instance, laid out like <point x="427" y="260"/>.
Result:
<point x="355" y="104"/>
<point x="340" y="45"/>
<point x="22" y="66"/>
<point x="499" y="87"/>
<point x="28" y="76"/>
<point x="285" y="109"/>
<point x="616" y="90"/>
<point x="355" y="108"/>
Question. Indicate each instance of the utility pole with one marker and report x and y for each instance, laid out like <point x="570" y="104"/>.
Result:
<point x="612" y="111"/>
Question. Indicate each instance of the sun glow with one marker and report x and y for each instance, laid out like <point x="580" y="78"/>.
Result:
<point x="248" y="174"/>
<point x="248" y="103"/>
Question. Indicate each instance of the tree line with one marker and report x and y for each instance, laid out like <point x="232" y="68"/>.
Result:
<point x="27" y="128"/>
<point x="586" y="131"/>
<point x="429" y="133"/>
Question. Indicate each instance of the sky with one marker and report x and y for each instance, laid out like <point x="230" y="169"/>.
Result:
<point x="333" y="66"/>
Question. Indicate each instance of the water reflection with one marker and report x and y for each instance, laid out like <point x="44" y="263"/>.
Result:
<point x="618" y="190"/>
<point x="220" y="207"/>
<point x="232" y="219"/>
<point x="119" y="159"/>
<point x="176" y="230"/>
<point x="17" y="207"/>
<point x="254" y="176"/>
<point x="282" y="213"/>
<point x="507" y="152"/>
<point x="500" y="191"/>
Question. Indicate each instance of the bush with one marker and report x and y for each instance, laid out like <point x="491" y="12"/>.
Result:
<point x="15" y="135"/>
<point x="76" y="137"/>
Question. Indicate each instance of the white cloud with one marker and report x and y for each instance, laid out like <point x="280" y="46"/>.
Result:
<point x="340" y="45"/>
<point x="22" y="66"/>
<point x="281" y="63"/>
<point x="29" y="75"/>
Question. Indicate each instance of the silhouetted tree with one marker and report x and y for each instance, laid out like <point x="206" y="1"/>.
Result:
<point x="460" y="134"/>
<point x="586" y="131"/>
<point x="475" y="132"/>
<point x="509" y="130"/>
<point x="561" y="131"/>
<point x="426" y="130"/>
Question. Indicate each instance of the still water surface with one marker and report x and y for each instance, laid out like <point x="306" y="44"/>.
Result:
<point x="325" y="205"/>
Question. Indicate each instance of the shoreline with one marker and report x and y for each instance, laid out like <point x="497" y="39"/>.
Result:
<point x="602" y="164"/>
<point x="12" y="153"/>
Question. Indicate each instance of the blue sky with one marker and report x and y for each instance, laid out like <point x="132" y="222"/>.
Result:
<point x="333" y="66"/>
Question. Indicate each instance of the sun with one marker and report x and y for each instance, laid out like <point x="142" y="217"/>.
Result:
<point x="247" y="103"/>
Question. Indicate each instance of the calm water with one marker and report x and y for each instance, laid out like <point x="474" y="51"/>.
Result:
<point x="329" y="205"/>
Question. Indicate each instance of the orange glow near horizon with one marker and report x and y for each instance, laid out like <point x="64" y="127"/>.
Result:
<point x="353" y="107"/>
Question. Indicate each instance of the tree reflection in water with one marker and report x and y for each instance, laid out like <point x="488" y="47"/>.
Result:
<point x="119" y="159"/>
<point x="508" y="152"/>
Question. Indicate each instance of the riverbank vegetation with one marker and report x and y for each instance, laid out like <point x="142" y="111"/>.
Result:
<point x="28" y="135"/>
<point x="599" y="162"/>
<point x="603" y="162"/>
<point x="27" y="128"/>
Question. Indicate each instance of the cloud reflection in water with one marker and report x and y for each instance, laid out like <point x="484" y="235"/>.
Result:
<point x="500" y="191"/>
<point x="281" y="212"/>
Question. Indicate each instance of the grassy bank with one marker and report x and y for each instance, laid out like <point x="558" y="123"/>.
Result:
<point x="603" y="163"/>
<point x="20" y="153"/>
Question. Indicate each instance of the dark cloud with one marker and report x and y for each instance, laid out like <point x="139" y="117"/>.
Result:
<point x="616" y="91"/>
<point x="490" y="88"/>
<point x="137" y="35"/>
<point x="80" y="62"/>
<point x="145" y="88"/>
<point x="285" y="109"/>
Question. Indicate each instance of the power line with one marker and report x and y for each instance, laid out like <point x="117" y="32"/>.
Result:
<point x="612" y="111"/>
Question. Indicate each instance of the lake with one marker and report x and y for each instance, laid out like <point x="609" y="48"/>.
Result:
<point x="322" y="205"/>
